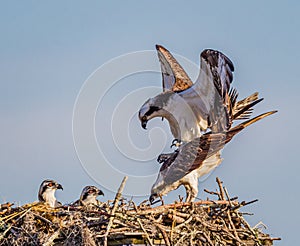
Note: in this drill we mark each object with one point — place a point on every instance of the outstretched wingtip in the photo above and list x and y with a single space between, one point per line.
159 47
212 57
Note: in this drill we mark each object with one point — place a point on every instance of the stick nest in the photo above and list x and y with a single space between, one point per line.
119 222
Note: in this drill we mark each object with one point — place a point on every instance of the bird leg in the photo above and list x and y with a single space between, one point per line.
162 201
191 192
188 192
194 193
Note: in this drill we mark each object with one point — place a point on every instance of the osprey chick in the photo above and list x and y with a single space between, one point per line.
47 193
89 195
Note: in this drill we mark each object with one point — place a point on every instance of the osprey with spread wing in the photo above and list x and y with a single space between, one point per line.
192 109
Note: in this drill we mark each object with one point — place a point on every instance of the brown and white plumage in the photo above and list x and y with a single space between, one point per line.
89 195
190 156
46 193
192 108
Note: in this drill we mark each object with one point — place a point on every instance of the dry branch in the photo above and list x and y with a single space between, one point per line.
115 206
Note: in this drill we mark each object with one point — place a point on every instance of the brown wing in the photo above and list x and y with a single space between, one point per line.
208 145
173 75
191 155
221 69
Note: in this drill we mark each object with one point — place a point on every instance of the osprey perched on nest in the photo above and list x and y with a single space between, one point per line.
89 195
193 108
47 193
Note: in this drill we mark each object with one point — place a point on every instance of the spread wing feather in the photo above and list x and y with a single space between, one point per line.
221 69
210 96
211 89
173 75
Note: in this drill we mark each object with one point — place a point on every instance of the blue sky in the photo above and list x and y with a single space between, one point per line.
48 49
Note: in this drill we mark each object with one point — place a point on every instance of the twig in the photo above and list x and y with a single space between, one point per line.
177 205
52 238
211 192
233 228
164 234
6 205
8 229
227 195
173 217
208 239
247 225
147 236
184 223
87 237
42 218
222 196
243 203
117 198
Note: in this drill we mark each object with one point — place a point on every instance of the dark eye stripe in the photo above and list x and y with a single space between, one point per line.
85 195
45 187
152 110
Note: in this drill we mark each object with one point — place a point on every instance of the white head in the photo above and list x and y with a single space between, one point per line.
47 192
89 195
155 107
165 105
161 188
164 184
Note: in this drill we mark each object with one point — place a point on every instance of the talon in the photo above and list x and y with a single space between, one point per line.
162 158
176 142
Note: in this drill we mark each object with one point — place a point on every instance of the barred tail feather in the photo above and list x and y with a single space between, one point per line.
246 110
242 109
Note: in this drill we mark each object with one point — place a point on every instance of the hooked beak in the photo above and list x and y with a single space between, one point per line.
152 198
100 193
144 123
59 187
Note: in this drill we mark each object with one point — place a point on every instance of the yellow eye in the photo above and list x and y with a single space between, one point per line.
144 118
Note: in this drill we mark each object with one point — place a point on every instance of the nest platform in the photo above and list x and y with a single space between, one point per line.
212 222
